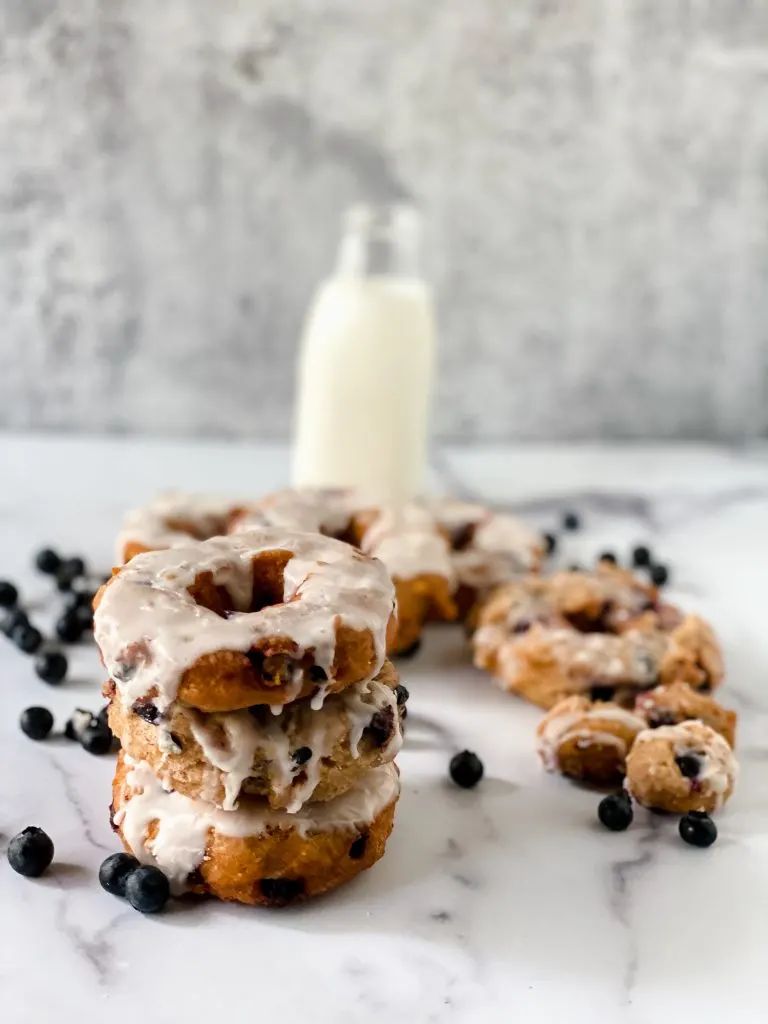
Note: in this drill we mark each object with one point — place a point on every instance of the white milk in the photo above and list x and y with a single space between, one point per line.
366 364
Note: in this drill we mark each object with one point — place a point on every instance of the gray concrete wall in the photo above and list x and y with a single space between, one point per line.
594 174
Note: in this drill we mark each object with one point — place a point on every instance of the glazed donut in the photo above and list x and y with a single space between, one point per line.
265 617
603 633
587 740
172 519
681 768
253 854
291 758
677 702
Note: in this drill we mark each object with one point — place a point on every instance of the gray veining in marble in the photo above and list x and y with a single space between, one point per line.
593 174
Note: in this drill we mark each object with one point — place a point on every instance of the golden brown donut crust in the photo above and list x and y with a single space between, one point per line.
188 771
235 868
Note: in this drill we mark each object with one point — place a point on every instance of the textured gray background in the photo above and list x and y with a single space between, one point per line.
594 173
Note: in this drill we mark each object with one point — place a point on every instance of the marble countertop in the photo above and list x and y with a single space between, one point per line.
504 903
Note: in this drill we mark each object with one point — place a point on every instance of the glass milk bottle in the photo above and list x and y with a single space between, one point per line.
366 363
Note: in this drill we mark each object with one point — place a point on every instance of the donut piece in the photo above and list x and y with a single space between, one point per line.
173 519
254 854
302 754
677 702
681 768
587 740
603 634
265 617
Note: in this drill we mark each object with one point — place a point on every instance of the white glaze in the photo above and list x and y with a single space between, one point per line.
183 825
276 738
149 525
148 604
720 769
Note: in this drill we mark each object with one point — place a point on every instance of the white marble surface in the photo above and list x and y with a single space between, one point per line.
506 903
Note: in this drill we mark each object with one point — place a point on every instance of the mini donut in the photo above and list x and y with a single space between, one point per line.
299 755
603 634
254 854
173 519
587 740
681 768
677 702
264 617
407 540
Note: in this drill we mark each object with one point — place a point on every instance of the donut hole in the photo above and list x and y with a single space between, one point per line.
267 586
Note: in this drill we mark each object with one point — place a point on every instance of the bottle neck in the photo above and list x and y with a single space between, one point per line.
380 241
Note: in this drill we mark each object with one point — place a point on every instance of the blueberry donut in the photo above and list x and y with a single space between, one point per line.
602 634
681 768
262 617
587 740
175 518
677 702
302 754
254 854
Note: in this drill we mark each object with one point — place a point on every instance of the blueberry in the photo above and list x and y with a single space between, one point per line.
47 561
659 575
281 891
466 769
550 542
380 727
73 567
147 889
102 719
571 521
402 694
698 829
9 595
641 555
30 852
615 812
51 667
15 617
84 616
96 740
521 626
114 872
602 693
64 581
36 723
689 765
80 597
608 556
147 710
357 849
27 638
78 723
68 628
302 755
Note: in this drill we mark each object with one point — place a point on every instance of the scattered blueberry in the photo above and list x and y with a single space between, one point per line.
281 891
302 755
69 629
114 872
689 765
73 567
78 723
550 542
608 556
51 667
698 829
47 561
402 694
615 811
27 638
641 555
466 769
147 889
659 575
15 617
84 616
571 521
64 581
9 595
36 723
79 597
102 719
95 739
30 852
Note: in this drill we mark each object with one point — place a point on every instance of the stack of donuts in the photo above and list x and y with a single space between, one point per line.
257 712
